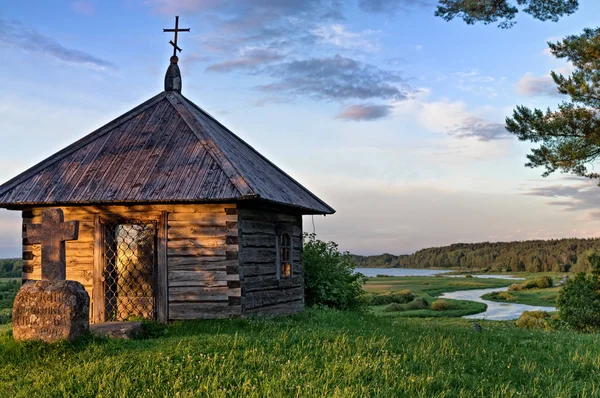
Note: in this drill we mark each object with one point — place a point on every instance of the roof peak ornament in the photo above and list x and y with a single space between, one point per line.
173 75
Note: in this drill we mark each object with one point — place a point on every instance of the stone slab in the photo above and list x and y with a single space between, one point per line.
117 330
50 311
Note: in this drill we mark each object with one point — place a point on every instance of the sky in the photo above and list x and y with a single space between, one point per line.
391 115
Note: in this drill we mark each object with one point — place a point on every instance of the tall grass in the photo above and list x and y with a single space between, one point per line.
314 354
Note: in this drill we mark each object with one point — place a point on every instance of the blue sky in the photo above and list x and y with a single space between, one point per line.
391 115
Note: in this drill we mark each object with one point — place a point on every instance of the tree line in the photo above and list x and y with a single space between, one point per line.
11 268
561 255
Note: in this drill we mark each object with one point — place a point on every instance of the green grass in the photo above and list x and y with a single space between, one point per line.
431 285
459 308
314 354
540 297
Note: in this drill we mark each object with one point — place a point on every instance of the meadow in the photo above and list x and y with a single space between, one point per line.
316 353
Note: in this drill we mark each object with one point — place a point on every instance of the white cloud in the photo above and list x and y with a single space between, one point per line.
337 35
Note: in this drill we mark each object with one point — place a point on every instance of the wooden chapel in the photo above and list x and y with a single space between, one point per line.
178 217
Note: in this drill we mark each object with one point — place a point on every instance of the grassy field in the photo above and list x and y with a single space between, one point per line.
431 285
314 354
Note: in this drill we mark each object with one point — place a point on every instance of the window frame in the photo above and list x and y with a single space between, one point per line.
280 260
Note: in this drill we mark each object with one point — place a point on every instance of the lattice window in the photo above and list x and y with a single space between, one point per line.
129 262
285 255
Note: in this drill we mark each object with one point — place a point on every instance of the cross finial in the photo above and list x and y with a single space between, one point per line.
176 30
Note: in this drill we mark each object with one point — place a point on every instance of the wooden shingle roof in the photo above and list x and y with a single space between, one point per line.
166 150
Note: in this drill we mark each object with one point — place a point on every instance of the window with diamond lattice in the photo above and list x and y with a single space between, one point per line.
129 259
285 253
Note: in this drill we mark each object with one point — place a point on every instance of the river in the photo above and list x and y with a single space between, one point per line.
495 311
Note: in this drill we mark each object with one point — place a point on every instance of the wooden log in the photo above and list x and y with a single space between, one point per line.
271 282
201 232
180 283
220 218
258 269
256 227
268 216
203 311
197 242
256 255
291 307
201 251
258 241
202 260
194 293
207 266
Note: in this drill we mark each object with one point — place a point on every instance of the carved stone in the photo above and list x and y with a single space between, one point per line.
52 234
50 311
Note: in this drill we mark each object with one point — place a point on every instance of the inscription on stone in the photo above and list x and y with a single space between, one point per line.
50 311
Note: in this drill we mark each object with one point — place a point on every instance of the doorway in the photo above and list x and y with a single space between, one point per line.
129 268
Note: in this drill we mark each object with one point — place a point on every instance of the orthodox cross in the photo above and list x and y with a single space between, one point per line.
176 30
52 234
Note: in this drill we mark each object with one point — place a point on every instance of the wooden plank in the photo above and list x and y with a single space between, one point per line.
201 251
197 260
259 240
179 283
193 276
162 284
203 310
220 218
201 232
288 308
258 255
256 227
183 294
98 285
268 216
197 242
258 269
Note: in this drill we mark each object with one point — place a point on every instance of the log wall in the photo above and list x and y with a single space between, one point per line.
202 278
262 291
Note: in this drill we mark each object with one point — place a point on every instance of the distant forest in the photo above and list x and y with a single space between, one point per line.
11 267
560 255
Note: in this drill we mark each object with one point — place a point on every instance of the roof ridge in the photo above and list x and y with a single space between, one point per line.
232 173
257 152
108 127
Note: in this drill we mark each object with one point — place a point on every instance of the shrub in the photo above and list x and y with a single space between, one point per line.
401 297
537 283
441 305
579 300
417 304
503 296
537 320
394 307
329 278
468 276
515 287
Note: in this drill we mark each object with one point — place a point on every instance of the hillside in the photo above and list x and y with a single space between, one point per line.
559 255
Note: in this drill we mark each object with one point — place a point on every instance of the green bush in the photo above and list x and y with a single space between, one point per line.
543 282
418 304
401 297
441 305
468 276
394 307
503 296
579 300
537 320
329 278
515 287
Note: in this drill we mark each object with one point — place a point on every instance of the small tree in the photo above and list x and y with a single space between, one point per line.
579 301
329 278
